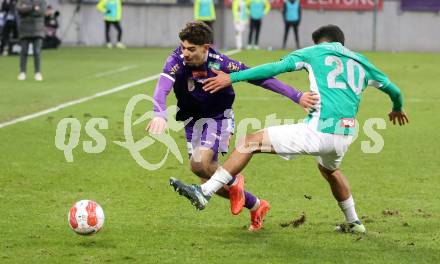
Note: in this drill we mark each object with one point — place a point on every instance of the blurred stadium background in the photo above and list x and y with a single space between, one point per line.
407 25
397 190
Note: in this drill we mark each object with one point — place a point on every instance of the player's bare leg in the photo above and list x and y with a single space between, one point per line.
257 142
338 183
253 143
341 191
203 165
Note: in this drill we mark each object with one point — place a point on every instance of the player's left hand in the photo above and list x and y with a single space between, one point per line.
308 100
157 125
401 117
215 84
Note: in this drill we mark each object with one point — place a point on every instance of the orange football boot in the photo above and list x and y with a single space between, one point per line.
257 216
236 195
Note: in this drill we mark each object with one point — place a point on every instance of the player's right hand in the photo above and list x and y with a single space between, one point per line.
157 125
215 84
308 100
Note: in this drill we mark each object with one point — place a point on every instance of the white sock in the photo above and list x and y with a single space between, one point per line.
256 205
348 209
220 178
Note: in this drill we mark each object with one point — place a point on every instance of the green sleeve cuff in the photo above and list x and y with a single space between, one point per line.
394 93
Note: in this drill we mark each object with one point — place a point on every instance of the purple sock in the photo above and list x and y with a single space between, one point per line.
231 181
249 200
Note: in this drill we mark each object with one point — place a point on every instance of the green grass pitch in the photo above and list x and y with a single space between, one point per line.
148 223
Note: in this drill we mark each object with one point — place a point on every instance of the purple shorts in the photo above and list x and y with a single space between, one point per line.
209 133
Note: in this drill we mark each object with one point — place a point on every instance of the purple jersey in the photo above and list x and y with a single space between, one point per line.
192 100
187 82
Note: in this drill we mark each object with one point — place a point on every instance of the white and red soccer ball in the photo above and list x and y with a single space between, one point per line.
86 217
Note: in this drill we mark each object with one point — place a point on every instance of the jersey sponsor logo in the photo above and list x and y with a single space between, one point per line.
215 56
214 65
233 67
348 122
199 74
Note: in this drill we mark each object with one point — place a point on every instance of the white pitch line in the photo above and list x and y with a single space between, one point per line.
78 101
88 98
122 69
232 52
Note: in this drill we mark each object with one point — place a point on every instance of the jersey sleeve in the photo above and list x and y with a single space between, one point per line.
229 65
165 84
271 84
296 59
292 62
172 67
378 79
375 77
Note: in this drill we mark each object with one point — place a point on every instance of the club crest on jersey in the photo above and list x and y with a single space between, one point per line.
348 122
214 65
233 67
191 85
199 74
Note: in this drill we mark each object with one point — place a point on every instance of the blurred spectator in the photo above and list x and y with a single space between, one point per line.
10 25
51 41
112 10
257 9
204 10
31 31
292 17
241 17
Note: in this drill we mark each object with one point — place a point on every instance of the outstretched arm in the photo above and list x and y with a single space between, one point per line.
261 76
306 100
279 87
379 80
264 71
396 97
159 123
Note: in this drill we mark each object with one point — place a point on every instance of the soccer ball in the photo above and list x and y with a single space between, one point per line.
86 217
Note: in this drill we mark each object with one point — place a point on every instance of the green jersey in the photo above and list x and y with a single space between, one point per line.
338 75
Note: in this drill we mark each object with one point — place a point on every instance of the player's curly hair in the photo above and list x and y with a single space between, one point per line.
196 32
331 33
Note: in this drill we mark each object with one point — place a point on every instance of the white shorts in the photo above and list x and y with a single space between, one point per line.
301 139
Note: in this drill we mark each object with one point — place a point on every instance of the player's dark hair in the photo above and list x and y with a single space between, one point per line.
196 32
331 33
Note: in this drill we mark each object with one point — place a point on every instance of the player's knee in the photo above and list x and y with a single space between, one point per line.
251 143
201 169
326 173
330 175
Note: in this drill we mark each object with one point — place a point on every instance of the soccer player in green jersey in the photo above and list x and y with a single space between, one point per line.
339 76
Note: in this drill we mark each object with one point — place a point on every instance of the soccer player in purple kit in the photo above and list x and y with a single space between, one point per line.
208 118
